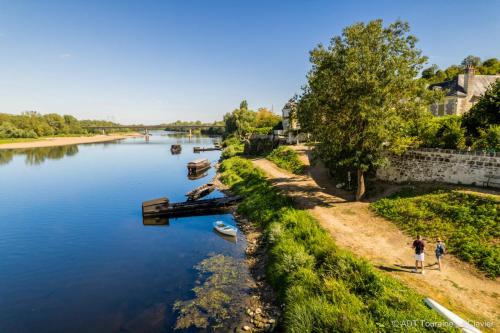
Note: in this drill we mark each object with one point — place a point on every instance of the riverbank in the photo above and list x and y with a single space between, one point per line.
320 286
262 309
356 228
63 141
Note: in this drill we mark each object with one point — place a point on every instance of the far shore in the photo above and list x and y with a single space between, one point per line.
63 141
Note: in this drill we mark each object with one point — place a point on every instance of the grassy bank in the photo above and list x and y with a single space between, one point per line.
232 147
469 224
16 140
288 159
323 288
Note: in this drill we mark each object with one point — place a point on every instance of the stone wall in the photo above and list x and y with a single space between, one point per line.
259 144
444 165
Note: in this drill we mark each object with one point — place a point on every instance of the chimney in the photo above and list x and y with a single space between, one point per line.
469 78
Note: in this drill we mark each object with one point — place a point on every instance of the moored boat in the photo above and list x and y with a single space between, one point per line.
201 191
225 229
200 149
175 149
198 166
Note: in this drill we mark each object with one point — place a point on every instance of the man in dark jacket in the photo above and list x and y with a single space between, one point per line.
419 246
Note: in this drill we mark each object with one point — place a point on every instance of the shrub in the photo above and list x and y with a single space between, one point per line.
288 159
488 139
323 288
232 147
443 132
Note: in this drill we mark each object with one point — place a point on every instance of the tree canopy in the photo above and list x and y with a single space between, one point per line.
243 121
433 74
32 124
362 96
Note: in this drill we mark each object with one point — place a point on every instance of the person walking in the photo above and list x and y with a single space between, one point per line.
419 246
440 250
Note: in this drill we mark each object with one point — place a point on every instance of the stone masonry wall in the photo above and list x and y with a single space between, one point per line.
444 165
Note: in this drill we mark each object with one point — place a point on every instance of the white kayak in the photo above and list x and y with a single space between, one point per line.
225 229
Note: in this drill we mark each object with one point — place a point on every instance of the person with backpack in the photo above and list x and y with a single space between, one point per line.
419 246
440 250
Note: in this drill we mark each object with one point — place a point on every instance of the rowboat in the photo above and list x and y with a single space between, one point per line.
225 229
198 166
201 191
175 149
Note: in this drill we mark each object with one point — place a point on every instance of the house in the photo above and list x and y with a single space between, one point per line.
291 126
462 92
289 118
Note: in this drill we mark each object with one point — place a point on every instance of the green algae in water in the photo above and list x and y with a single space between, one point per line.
218 298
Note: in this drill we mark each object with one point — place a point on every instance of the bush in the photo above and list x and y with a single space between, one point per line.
469 223
489 139
485 112
288 159
443 132
323 288
232 147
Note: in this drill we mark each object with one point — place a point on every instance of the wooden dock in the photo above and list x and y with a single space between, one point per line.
163 208
199 149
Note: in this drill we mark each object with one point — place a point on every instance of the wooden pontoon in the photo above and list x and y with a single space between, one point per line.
199 149
198 166
163 208
201 191
175 149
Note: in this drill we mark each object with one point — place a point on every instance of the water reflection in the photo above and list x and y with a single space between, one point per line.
230 239
197 176
36 156
155 221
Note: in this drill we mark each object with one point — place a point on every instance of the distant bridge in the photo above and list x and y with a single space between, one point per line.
150 127
146 128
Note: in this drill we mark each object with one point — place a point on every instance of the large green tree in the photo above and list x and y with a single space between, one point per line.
240 121
362 96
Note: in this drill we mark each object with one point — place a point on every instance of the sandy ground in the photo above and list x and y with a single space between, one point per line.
63 141
356 228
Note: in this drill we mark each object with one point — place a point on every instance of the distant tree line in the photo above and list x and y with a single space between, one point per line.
434 74
32 124
243 121
207 130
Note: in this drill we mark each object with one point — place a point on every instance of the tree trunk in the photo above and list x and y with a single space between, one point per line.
360 192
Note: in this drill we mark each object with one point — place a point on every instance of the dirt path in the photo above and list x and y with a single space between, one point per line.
356 228
63 141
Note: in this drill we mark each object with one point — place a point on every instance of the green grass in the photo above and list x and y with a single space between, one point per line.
469 224
288 159
16 140
323 288
232 147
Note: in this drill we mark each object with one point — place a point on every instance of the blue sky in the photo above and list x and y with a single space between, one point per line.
159 61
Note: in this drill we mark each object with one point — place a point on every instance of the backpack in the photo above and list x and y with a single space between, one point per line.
440 249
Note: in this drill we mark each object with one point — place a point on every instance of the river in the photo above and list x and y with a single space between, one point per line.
75 255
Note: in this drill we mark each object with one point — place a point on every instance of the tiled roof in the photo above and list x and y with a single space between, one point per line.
455 87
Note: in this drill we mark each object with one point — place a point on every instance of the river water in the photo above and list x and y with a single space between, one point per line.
74 253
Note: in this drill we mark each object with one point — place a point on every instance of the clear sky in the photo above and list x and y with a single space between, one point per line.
159 61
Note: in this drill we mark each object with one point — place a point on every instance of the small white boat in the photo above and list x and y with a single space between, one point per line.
225 229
